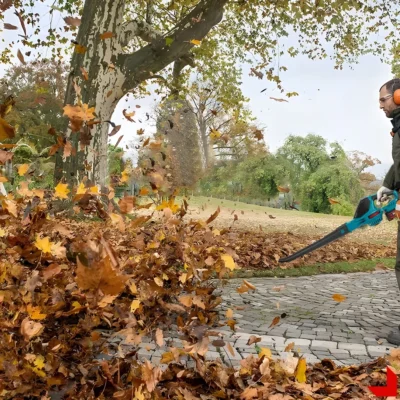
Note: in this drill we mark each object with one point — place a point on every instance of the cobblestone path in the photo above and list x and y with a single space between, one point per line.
348 332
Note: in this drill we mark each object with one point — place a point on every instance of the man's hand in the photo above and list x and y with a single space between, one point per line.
381 193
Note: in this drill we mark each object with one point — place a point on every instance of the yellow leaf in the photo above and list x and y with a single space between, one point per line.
35 312
229 313
195 42
76 304
61 191
186 300
39 361
182 278
265 351
6 130
249 285
228 261
215 134
133 288
301 370
158 281
167 357
94 190
22 169
338 297
80 49
81 189
3 233
135 305
125 174
139 394
43 244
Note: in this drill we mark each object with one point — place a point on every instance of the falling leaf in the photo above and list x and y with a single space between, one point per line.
72 21
333 201
144 191
115 130
35 312
283 189
159 337
169 41
106 35
228 261
195 42
43 244
30 329
338 297
258 134
258 74
213 216
6 130
20 57
61 190
22 169
279 100
275 321
129 116
289 347
80 49
253 339
301 370
10 27
265 351
140 131
229 313
84 73
249 285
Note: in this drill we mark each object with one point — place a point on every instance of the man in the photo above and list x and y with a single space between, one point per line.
390 104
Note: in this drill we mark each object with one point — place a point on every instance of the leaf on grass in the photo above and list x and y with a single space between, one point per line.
22 169
301 370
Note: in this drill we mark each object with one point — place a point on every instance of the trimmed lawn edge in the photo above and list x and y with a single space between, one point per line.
342 267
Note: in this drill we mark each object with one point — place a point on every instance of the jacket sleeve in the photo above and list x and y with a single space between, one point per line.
396 160
389 178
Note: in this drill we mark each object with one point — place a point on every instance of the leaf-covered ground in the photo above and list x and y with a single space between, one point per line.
67 288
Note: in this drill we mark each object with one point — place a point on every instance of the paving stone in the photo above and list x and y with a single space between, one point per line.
324 344
351 346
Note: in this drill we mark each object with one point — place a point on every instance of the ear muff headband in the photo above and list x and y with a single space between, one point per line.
396 97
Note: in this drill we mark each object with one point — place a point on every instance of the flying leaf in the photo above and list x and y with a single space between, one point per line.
265 351
195 42
129 116
279 100
115 130
30 329
229 313
22 169
159 337
301 370
35 312
6 130
333 201
258 134
84 73
283 189
61 190
258 74
253 339
275 321
80 49
228 261
72 21
338 297
213 216
140 131
169 41
106 35
20 57
10 27
249 285
43 244
289 347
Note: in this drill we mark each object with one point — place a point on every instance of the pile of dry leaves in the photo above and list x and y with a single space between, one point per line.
67 288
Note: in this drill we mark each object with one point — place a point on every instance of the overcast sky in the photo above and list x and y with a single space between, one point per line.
340 105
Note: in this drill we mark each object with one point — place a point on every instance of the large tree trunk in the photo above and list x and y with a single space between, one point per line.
112 74
204 139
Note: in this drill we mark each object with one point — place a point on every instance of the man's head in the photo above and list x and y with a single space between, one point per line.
386 101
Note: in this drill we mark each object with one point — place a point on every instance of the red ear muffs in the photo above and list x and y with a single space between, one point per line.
396 97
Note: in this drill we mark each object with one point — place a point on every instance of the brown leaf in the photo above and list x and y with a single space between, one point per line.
106 35
30 329
6 130
218 343
253 339
115 130
333 201
338 297
275 321
249 285
5 156
159 337
100 275
20 57
279 100
289 347
129 116
72 21
126 204
213 216
10 27
84 73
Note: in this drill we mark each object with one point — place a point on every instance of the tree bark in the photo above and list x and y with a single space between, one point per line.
113 74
